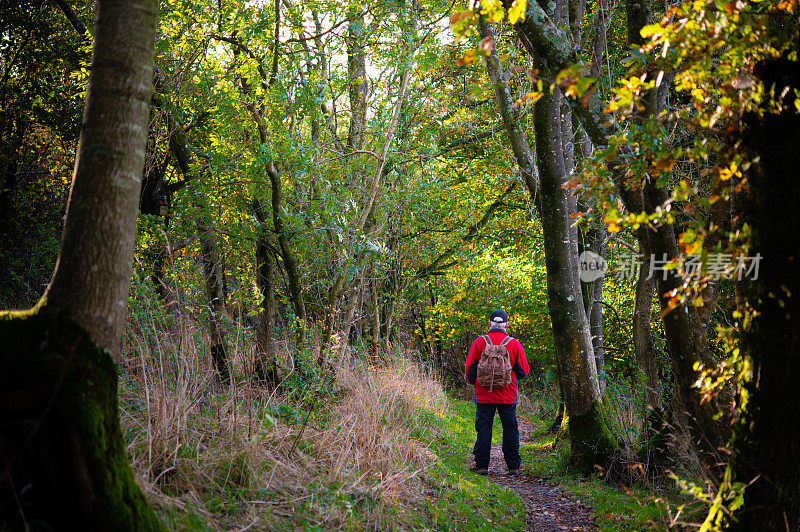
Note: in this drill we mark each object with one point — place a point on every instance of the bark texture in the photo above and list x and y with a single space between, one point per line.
92 274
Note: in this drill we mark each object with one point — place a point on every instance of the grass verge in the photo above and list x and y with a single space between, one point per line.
616 507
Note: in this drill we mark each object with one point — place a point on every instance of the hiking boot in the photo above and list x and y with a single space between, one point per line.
479 470
514 472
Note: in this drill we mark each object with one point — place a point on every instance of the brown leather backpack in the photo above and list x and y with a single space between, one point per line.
494 367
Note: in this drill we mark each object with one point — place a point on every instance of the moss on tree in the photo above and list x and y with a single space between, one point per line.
60 431
592 442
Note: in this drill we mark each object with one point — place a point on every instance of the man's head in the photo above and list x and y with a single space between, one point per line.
498 319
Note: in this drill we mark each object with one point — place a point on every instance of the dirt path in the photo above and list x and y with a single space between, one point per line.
549 507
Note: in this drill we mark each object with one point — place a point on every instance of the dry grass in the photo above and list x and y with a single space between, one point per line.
331 453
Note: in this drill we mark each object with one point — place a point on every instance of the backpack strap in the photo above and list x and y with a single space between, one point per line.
487 339
506 341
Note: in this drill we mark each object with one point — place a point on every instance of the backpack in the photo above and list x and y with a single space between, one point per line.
494 367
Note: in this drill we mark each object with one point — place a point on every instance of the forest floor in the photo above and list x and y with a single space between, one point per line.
548 507
547 497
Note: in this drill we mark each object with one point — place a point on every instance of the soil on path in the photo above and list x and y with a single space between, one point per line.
549 508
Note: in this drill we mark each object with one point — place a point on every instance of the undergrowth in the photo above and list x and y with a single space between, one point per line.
366 443
363 443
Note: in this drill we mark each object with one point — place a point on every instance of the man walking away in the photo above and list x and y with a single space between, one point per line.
494 364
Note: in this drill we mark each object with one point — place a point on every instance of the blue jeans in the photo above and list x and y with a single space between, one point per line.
484 416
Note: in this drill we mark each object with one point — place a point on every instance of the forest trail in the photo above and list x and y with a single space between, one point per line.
548 507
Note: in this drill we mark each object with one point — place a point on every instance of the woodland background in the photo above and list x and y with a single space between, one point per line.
335 196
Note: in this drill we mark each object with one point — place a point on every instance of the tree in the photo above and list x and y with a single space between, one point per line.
542 37
590 439
60 440
761 487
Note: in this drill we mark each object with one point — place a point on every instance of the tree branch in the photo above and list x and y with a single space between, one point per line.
472 233
516 135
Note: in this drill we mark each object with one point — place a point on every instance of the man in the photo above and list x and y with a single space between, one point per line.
503 399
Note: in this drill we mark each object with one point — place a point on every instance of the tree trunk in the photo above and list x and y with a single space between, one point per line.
683 341
766 442
331 308
643 345
592 239
595 315
375 332
591 441
266 364
60 436
212 280
289 261
357 83
348 316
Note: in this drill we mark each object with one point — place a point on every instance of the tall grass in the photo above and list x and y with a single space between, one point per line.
326 448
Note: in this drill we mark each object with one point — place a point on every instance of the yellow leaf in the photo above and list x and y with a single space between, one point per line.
650 30
517 11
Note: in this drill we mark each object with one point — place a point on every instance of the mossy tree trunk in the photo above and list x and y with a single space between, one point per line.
765 449
60 437
61 446
591 442
590 439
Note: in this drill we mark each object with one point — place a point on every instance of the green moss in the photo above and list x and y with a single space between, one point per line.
72 456
591 440
563 427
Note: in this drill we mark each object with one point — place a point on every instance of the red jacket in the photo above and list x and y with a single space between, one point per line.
508 394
